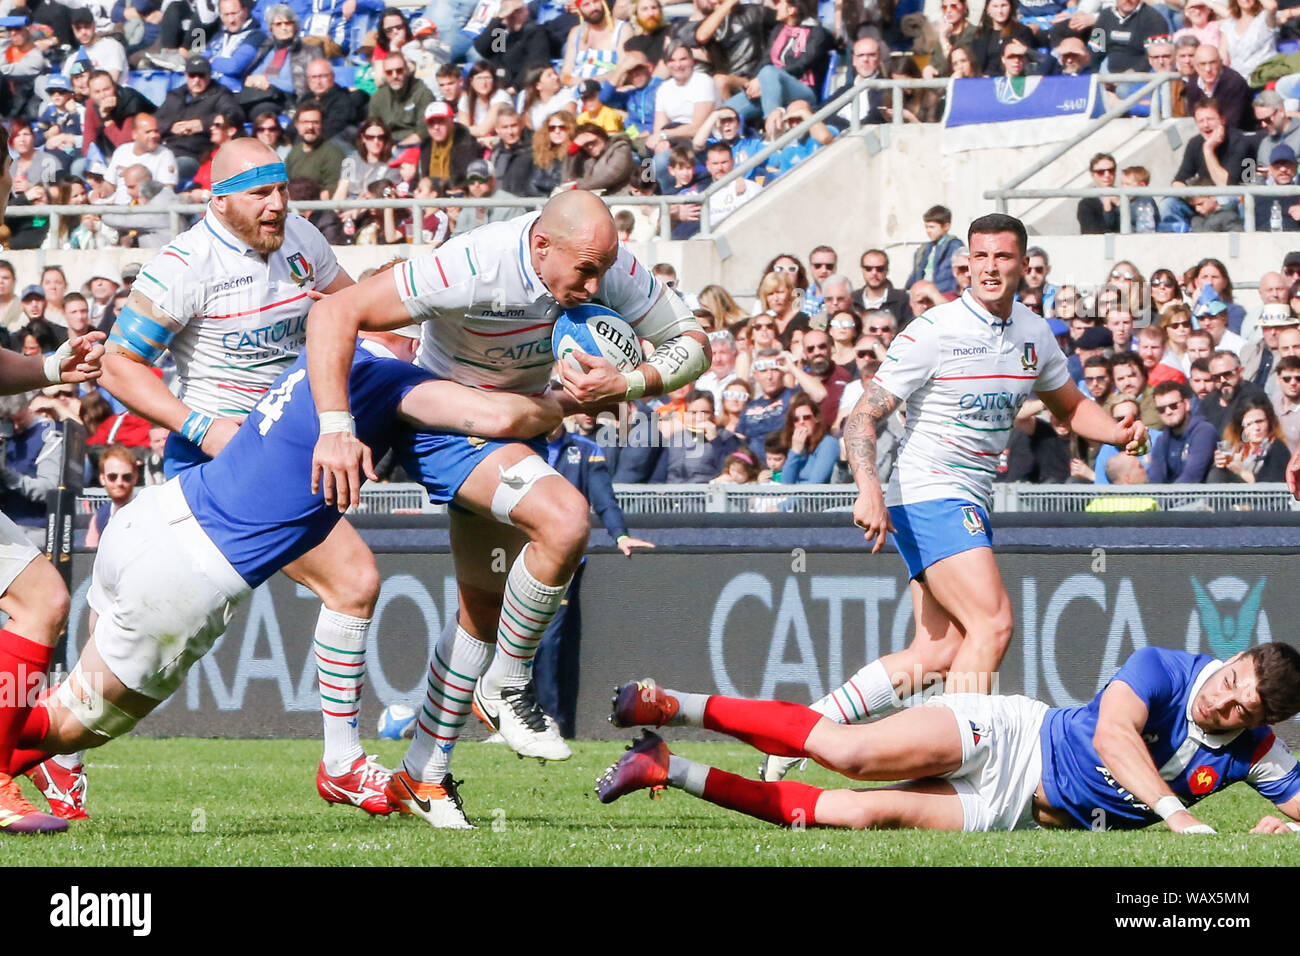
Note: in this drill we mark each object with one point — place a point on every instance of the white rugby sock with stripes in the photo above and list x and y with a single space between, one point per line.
340 647
70 761
458 661
867 694
527 608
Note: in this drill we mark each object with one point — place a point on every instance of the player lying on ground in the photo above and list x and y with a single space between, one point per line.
174 563
229 299
32 593
1169 729
488 301
963 369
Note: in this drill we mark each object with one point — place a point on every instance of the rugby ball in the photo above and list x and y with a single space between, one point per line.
397 721
596 330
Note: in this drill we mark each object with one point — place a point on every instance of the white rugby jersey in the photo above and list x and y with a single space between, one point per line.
488 318
243 318
964 373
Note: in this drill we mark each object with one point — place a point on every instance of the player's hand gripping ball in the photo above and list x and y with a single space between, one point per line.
596 330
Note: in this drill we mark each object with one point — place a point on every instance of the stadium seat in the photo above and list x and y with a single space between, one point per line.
832 68
358 27
153 84
344 76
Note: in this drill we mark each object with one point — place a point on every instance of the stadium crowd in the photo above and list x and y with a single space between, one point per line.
126 102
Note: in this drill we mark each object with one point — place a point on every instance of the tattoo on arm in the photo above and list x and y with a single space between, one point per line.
467 426
860 428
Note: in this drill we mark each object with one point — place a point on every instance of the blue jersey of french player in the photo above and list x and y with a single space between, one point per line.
1192 762
254 500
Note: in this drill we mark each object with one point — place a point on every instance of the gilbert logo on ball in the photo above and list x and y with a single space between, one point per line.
596 330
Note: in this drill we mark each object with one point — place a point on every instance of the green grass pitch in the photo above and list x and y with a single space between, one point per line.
187 802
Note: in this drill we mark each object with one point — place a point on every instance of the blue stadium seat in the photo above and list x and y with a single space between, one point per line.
153 84
358 27
832 67
344 76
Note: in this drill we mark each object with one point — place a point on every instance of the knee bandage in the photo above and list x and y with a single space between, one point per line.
86 703
516 481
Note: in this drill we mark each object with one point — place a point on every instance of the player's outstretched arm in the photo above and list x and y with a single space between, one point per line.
1119 744
140 335
455 407
860 430
340 461
1085 417
76 360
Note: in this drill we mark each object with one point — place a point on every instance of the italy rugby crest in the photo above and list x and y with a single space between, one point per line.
1029 358
971 520
300 269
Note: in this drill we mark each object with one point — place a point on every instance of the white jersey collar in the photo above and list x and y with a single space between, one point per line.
375 349
984 315
224 236
1194 731
533 285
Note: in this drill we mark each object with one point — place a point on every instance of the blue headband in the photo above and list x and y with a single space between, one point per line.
251 179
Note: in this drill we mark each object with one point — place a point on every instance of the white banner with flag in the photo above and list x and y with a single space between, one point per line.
989 112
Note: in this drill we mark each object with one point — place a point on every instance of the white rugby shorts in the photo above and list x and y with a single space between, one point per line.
16 552
163 591
1002 762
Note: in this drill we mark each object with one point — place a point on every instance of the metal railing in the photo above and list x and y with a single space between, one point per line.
1127 194
406 498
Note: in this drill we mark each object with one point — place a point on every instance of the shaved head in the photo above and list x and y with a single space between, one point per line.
239 155
574 242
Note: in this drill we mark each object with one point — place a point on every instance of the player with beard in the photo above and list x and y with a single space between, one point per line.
963 368
229 298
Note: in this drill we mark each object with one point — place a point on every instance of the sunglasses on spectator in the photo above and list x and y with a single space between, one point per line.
1103 170
1127 276
762 325
738 396
1167 283
1096 378
823 265
396 71
767 365
364 136
1037 270
1290 379
115 476
1181 324
560 127
873 268
877 329
1223 376
1292 270
1173 407
779 269
961 270
841 323
806 418
269 129
863 353
815 348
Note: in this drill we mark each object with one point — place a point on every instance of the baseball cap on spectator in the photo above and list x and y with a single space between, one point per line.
1269 98
197 66
1282 153
81 15
1275 315
58 82
438 109
77 67
409 155
588 89
422 27
479 169
1095 338
103 269
33 292
1292 261
97 168
14 23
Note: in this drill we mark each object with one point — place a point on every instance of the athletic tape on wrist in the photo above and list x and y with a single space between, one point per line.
635 385
1166 807
332 423
53 373
195 427
1293 826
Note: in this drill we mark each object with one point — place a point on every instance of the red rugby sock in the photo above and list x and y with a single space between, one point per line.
772 726
22 664
787 802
